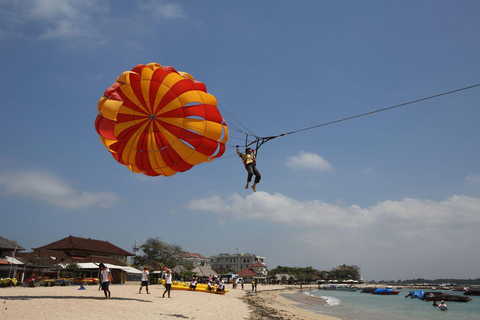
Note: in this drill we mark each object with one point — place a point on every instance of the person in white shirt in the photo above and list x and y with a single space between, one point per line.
442 306
221 285
145 278
168 283
106 277
193 284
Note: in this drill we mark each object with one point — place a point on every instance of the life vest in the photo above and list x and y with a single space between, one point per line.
248 159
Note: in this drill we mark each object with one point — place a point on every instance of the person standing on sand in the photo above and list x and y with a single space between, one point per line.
168 283
106 276
250 163
145 279
253 285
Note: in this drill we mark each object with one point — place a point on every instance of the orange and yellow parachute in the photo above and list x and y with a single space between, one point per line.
158 121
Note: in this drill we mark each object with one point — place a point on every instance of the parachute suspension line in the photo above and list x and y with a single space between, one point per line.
238 121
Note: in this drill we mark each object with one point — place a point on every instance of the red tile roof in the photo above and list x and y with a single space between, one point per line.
192 255
258 265
4 262
50 257
247 273
92 245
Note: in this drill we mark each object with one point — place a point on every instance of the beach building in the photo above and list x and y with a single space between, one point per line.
203 272
79 255
77 248
284 278
257 271
87 254
239 261
8 247
121 272
195 258
9 265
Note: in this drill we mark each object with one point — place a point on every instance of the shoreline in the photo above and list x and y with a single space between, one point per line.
284 304
43 303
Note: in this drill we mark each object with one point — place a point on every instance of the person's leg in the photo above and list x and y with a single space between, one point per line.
249 169
146 288
105 289
140 291
258 176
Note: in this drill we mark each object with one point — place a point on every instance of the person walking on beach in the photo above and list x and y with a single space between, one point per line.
249 160
106 277
253 285
442 306
145 279
168 283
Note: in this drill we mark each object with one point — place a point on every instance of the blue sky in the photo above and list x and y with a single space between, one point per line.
396 193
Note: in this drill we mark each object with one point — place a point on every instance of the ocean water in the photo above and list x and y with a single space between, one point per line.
365 306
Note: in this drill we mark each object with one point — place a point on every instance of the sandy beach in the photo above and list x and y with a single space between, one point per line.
126 303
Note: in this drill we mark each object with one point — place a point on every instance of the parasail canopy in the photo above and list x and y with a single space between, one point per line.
159 121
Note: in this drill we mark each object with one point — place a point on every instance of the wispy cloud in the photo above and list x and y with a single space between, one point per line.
308 161
164 9
82 24
473 179
51 19
46 187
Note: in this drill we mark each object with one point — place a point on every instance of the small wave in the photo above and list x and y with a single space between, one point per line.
331 301
310 293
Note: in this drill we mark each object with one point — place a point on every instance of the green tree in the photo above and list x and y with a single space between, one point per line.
157 250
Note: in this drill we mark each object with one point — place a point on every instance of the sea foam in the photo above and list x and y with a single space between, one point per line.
331 301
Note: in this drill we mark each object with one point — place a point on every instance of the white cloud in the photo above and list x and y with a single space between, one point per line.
399 233
456 211
45 187
162 9
52 19
473 179
82 23
308 160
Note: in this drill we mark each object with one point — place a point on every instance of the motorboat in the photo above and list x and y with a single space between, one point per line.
386 292
439 296
472 292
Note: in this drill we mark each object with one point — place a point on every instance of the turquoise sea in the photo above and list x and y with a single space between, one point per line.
365 306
